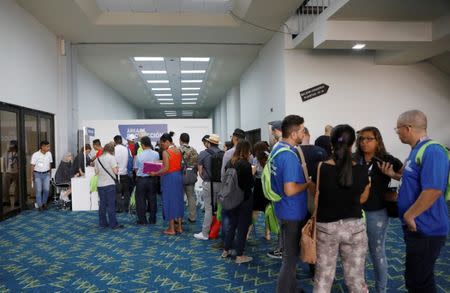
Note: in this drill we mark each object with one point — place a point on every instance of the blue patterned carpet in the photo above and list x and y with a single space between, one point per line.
60 251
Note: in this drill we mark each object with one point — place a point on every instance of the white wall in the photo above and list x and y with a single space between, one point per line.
96 100
262 88
362 93
233 104
28 60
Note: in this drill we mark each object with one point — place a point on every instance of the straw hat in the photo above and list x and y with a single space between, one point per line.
213 138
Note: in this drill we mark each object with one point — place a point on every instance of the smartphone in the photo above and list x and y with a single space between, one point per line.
378 160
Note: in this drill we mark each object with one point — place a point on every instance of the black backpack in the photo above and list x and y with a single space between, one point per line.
215 173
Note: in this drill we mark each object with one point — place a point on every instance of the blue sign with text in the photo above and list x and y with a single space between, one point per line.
153 131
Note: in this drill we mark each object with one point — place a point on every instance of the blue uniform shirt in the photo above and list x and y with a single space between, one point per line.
147 155
286 168
431 174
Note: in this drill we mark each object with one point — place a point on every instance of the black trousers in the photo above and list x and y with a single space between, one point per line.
145 197
421 255
290 235
240 219
123 194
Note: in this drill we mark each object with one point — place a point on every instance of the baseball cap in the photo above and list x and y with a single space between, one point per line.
276 124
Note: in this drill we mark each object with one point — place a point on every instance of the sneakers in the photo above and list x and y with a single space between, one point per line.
243 259
200 236
276 254
225 254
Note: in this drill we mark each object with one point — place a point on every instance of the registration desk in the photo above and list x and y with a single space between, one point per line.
82 198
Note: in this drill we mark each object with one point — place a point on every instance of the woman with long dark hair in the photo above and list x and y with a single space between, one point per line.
261 153
240 216
370 152
171 184
343 187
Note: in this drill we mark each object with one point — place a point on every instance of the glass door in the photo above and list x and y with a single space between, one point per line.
31 146
10 161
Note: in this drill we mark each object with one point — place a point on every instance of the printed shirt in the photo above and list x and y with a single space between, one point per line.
41 161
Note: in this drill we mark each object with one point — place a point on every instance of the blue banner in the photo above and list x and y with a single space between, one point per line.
153 131
90 131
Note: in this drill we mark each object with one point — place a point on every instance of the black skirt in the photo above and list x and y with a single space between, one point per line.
259 201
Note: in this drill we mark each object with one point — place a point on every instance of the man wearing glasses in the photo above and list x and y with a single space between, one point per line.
421 202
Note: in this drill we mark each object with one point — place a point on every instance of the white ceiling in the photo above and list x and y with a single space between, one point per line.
180 6
107 34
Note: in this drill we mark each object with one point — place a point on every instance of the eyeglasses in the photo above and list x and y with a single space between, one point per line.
396 129
364 138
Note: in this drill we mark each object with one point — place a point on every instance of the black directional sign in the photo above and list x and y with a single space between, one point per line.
314 92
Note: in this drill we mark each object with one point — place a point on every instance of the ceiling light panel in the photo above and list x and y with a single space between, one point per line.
191 81
147 59
189 103
194 59
190 88
358 46
161 89
193 71
163 95
166 103
158 81
154 72
165 99
189 94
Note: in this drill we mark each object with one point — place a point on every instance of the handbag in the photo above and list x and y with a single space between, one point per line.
116 181
308 240
391 203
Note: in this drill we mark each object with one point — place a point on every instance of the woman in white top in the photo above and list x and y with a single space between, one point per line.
106 169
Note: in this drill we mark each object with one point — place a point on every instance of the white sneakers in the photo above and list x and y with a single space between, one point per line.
200 236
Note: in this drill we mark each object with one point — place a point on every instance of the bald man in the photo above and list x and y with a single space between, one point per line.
421 201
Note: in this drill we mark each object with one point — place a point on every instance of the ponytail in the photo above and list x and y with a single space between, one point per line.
342 139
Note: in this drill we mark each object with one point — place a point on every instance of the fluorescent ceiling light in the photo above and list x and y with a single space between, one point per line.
161 88
192 71
171 115
154 72
148 58
189 103
190 94
358 46
163 95
165 99
166 103
191 81
190 88
198 59
189 99
170 112
158 81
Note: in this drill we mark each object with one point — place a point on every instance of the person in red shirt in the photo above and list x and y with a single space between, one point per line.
98 147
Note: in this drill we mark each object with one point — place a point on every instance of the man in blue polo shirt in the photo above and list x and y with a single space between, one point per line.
421 202
289 182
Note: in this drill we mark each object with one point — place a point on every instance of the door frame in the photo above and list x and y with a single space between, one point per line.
22 111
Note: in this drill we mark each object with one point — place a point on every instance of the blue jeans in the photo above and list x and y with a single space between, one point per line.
377 224
41 187
107 195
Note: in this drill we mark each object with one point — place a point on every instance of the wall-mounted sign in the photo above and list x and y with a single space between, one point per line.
90 131
314 92
153 131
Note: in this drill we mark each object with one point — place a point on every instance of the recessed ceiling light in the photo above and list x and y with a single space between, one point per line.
170 112
191 81
161 88
165 99
158 81
198 59
163 95
171 115
192 71
358 46
190 94
154 72
190 88
189 103
148 58
166 103
189 99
